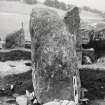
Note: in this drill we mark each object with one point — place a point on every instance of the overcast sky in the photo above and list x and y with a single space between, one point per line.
95 4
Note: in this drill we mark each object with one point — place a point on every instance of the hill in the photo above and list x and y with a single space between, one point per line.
12 14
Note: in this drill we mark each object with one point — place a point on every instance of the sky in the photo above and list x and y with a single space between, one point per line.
94 4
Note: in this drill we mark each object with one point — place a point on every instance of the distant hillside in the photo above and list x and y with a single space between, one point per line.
93 11
12 14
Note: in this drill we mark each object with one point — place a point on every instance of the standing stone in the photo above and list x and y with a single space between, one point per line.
72 20
55 71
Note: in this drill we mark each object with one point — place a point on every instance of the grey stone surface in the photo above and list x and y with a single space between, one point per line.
53 56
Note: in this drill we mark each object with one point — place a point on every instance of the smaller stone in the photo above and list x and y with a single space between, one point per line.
21 100
72 103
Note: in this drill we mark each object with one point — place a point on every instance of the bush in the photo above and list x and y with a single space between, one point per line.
56 4
16 39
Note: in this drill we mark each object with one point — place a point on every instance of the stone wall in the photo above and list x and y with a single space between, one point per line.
15 54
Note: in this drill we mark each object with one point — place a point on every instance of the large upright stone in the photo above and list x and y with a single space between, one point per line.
55 73
72 20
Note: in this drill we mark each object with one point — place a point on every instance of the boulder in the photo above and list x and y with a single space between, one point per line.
21 100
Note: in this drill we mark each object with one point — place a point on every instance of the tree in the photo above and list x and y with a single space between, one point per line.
62 6
56 4
49 3
69 7
30 1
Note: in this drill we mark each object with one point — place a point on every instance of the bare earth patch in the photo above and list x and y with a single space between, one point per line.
13 67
